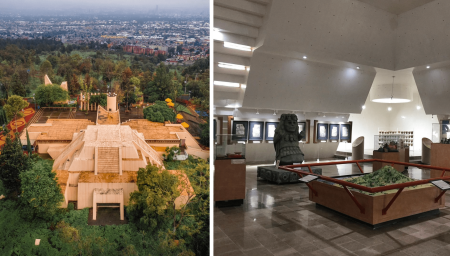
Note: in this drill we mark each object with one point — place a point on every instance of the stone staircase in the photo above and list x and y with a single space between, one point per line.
72 114
108 160
34 119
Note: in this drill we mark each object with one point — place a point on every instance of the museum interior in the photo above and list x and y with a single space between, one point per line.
306 95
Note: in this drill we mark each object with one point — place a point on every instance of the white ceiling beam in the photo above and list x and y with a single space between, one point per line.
243 6
219 57
264 2
219 48
229 71
229 78
238 17
236 28
232 38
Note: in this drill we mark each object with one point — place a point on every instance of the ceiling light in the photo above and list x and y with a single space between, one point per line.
243 86
364 107
357 67
389 108
403 117
428 66
238 46
388 93
418 107
304 57
257 112
274 112
231 66
221 83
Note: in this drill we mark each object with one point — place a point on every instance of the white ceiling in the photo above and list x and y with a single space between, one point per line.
396 6
337 36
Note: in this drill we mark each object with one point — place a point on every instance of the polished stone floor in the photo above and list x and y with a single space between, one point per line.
280 220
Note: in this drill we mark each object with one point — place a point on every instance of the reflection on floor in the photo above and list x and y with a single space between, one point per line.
280 220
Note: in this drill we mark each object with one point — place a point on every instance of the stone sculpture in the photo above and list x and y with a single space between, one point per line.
286 140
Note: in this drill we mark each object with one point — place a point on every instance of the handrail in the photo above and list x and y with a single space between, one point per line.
364 188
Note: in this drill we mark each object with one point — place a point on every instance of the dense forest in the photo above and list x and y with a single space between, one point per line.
24 63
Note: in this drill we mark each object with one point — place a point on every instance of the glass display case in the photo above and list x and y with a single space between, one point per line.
226 148
440 132
380 140
387 136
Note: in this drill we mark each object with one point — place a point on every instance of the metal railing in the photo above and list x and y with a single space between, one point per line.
346 184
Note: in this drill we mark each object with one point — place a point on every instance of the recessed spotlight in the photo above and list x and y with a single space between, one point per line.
403 117
304 57
428 66
418 107
389 108
364 107
357 67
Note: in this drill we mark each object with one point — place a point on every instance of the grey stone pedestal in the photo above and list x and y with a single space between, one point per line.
271 173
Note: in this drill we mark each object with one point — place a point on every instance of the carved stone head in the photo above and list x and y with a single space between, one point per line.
288 122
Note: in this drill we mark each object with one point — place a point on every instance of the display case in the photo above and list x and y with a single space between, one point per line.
229 170
440 132
384 137
229 148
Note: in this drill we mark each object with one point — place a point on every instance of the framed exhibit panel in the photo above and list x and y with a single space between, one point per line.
346 132
256 130
334 132
320 131
270 130
304 126
240 130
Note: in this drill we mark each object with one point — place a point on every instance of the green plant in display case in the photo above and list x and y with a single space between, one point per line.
383 177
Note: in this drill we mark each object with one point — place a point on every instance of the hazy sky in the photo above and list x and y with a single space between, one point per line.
96 5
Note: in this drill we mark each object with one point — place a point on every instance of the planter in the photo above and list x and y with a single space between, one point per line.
409 202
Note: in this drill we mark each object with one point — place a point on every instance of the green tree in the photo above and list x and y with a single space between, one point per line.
100 99
46 68
46 95
28 144
14 106
41 194
154 205
16 86
3 119
159 112
151 93
12 163
37 60
162 81
204 135
171 153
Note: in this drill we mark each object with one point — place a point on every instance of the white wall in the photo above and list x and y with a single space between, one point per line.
403 116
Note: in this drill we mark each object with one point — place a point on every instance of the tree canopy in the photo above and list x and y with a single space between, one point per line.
159 112
41 194
14 106
12 163
46 95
